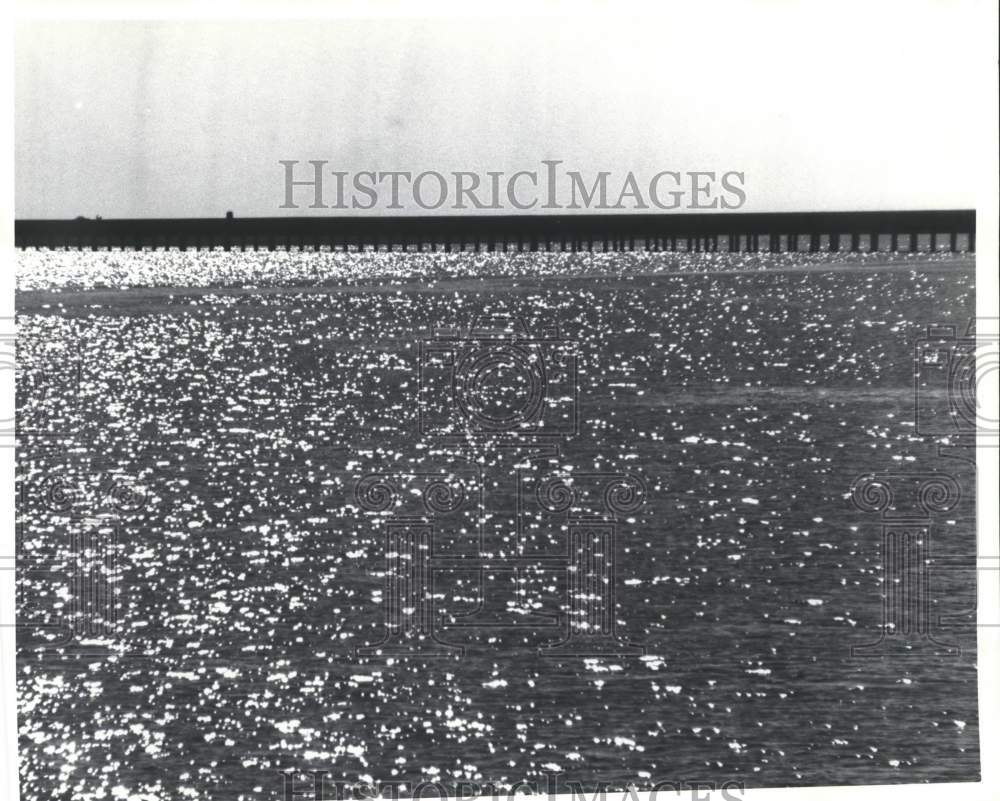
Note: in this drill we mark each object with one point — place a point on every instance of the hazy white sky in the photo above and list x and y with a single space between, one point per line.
819 110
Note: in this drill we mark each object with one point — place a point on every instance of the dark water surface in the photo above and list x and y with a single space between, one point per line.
248 574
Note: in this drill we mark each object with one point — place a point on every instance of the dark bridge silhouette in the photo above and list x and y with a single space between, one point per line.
811 231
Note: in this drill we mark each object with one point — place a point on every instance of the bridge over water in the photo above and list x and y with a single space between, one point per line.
856 231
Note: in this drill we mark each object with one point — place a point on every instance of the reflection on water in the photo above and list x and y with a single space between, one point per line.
248 577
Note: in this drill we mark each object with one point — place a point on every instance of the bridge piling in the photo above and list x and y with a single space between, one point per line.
565 233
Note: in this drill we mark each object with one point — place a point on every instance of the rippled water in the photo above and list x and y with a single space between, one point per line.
249 575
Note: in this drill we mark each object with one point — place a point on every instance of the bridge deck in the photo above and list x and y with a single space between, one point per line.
813 231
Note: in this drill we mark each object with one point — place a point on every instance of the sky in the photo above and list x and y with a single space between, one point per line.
818 110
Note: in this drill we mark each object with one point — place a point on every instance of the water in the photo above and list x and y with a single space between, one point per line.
249 575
